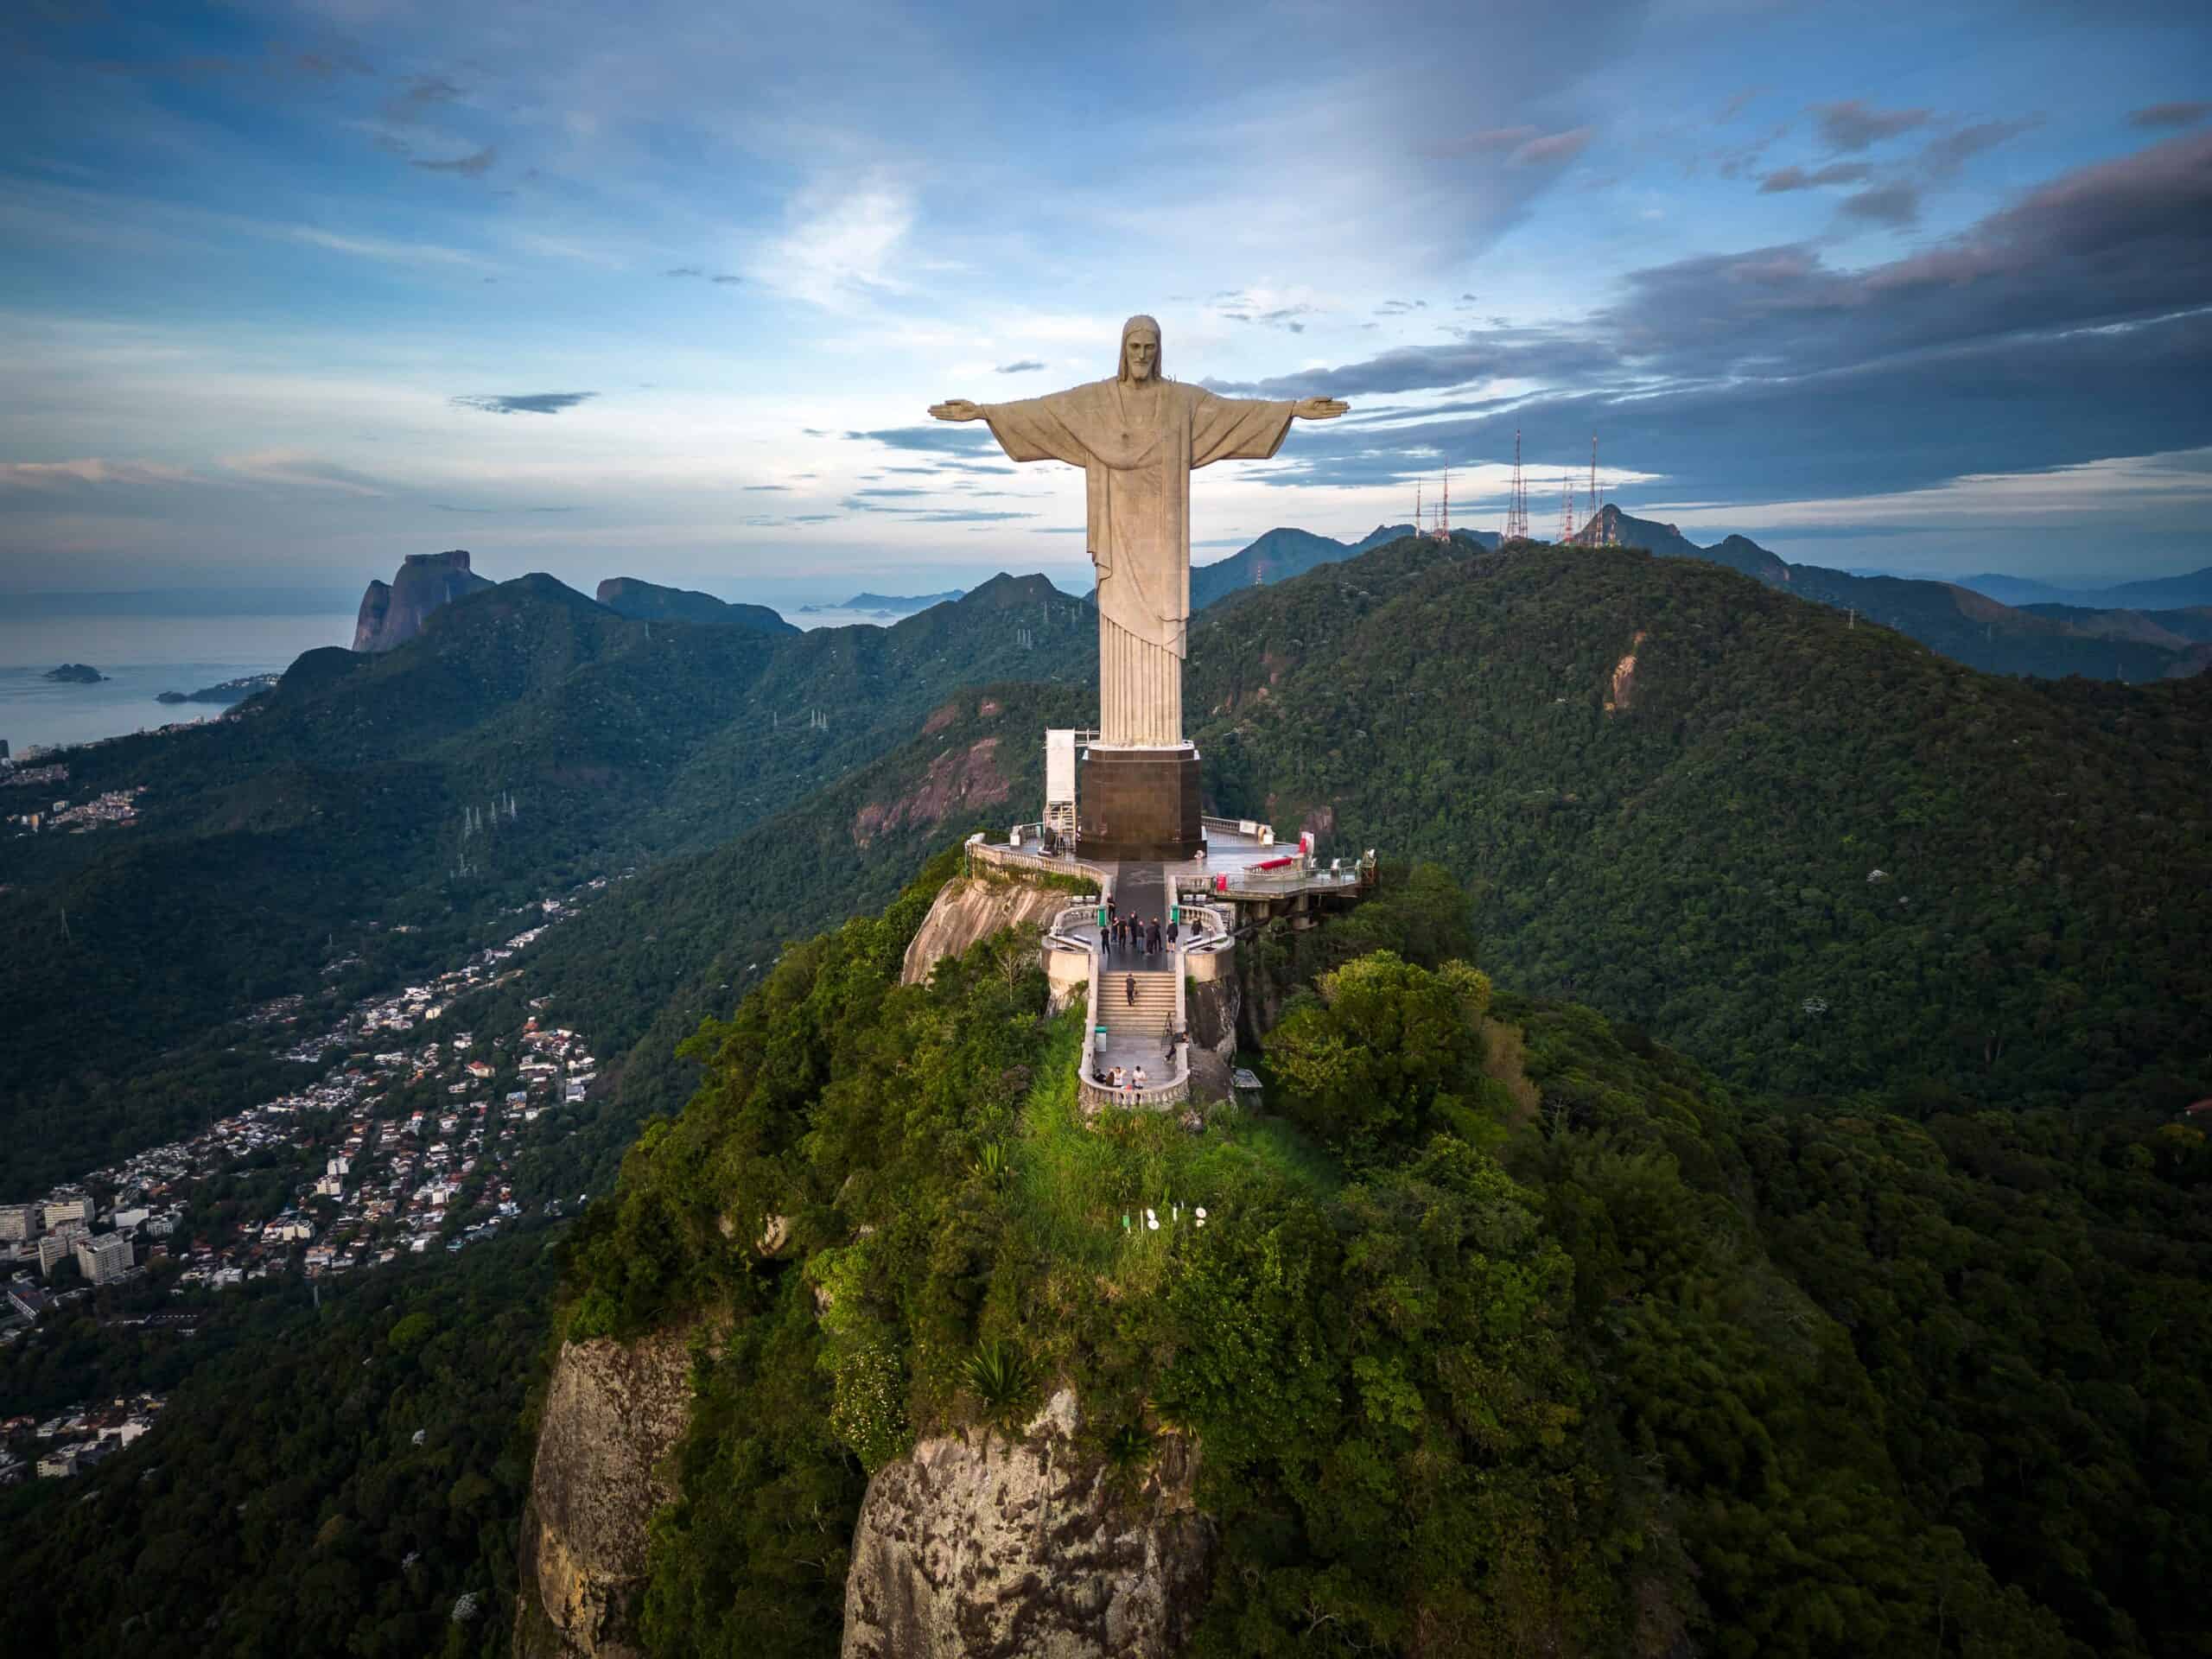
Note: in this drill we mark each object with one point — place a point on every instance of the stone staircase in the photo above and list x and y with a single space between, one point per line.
1136 1034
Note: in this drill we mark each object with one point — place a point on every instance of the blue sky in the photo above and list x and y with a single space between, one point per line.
287 292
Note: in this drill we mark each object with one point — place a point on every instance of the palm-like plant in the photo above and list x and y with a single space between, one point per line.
998 1376
991 1163
1129 1450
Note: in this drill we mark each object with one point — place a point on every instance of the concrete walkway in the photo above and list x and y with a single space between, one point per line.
1137 1028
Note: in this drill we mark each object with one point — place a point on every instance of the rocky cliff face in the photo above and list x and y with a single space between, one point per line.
989 1550
969 908
613 1412
393 613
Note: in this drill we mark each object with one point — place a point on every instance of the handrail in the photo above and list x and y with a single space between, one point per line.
1296 880
1061 863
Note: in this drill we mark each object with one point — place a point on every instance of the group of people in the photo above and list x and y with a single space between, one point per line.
1139 934
1123 1080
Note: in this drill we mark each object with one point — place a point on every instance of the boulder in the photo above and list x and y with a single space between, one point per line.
986 1548
613 1412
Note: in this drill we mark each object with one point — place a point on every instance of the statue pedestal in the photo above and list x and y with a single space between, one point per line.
1138 804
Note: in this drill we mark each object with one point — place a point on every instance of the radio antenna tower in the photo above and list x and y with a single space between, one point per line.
1444 513
1593 484
1566 507
1517 510
1418 526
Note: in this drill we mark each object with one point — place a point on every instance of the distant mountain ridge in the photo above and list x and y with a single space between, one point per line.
1962 623
1286 552
647 601
2157 593
887 604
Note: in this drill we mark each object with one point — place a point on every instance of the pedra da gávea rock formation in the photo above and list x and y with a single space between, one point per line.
983 1548
392 615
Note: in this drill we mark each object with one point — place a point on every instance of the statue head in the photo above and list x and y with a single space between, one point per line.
1140 350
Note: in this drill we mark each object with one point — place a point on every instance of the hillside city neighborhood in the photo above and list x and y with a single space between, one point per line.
407 1142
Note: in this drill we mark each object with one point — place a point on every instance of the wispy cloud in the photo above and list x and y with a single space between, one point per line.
841 245
472 167
294 467
522 402
1024 366
443 507
1855 124
51 475
1944 157
1797 178
1886 204
2169 115
373 247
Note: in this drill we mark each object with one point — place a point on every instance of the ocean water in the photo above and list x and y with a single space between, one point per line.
143 656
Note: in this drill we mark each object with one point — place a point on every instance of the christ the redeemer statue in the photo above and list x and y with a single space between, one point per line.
1136 438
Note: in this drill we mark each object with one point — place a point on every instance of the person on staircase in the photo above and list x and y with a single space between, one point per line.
1131 982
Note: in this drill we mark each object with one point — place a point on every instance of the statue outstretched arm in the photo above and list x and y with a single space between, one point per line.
1249 428
1029 429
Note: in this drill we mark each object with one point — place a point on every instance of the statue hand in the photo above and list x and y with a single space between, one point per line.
956 409
1318 408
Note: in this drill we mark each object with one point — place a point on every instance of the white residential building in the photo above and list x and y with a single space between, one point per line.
104 1258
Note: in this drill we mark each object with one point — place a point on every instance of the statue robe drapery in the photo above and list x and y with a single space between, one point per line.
1137 442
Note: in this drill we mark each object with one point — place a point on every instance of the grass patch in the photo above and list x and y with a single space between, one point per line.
1071 1183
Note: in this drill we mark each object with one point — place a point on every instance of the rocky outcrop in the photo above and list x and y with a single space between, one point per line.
392 615
961 780
1623 680
1213 1008
969 908
987 1549
611 1414
647 601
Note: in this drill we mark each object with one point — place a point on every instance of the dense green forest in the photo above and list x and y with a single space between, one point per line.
1698 851
1514 1326
324 1480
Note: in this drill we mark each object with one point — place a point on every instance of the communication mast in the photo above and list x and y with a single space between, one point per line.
1444 512
1566 507
1516 508
1594 478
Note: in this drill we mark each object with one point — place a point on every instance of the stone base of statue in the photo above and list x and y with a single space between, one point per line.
1138 804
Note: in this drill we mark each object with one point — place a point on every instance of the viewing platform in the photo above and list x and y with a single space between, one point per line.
1135 1001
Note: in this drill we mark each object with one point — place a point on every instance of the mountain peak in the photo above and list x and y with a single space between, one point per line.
393 613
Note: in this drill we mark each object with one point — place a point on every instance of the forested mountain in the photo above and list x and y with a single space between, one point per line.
335 809
2157 593
1510 1320
1816 855
648 601
1284 553
1961 622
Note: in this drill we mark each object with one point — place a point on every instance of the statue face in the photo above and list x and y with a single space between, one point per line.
1144 354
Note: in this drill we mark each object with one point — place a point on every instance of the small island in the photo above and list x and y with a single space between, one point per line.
238 691
76 674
